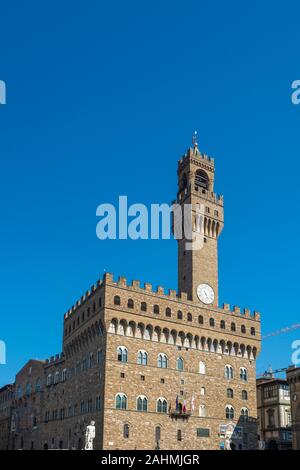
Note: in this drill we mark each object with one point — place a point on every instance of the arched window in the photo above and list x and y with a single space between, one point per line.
168 312
252 331
243 329
229 393
126 431
211 322
243 374
156 309
56 377
38 385
179 315
200 320
244 395
121 401
162 361
142 358
201 180
233 327
202 411
49 380
228 372
202 368
130 303
189 317
117 300
229 412
180 363
202 391
222 324
244 414
142 403
161 405
122 354
157 433
144 307
91 360
28 389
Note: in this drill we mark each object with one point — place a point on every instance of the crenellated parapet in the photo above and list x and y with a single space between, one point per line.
195 153
135 286
171 294
52 360
84 298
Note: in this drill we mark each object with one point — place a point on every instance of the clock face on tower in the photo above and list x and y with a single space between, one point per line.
205 294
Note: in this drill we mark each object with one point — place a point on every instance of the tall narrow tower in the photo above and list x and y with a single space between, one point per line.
198 268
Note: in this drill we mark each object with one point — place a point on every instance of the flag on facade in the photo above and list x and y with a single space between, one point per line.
177 403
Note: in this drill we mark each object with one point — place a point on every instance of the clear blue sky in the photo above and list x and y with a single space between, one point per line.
102 99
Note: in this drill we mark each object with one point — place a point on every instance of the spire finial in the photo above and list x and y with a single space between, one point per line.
194 140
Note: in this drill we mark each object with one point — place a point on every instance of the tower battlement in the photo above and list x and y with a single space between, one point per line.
195 153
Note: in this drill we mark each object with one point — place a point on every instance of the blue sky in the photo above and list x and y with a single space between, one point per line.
102 100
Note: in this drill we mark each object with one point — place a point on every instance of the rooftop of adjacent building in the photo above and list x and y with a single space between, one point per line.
269 380
6 387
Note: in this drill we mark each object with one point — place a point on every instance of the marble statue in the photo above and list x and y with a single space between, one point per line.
90 434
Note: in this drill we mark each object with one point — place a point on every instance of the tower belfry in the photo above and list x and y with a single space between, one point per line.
198 268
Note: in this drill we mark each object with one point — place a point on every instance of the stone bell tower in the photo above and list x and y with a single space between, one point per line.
198 267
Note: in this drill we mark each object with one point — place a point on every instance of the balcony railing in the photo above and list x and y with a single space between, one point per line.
175 415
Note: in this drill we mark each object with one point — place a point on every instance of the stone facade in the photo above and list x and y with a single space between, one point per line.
274 413
153 369
293 378
6 397
27 407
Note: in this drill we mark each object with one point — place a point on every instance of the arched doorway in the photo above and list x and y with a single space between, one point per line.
45 446
273 445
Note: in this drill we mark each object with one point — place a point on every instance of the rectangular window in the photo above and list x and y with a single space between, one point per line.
98 403
99 356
